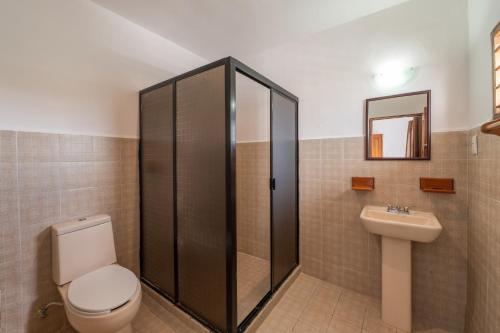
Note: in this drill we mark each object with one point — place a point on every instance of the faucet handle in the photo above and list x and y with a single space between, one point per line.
407 210
389 207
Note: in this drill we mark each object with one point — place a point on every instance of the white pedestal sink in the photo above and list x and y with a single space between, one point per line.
398 230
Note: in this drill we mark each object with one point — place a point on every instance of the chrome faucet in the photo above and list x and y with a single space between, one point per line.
398 209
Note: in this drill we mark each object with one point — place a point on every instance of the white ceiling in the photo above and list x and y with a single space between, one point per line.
218 28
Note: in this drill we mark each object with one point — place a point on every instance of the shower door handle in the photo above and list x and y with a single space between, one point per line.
272 183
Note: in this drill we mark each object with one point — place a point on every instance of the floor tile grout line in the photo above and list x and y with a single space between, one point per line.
365 310
155 315
365 315
304 308
338 301
332 317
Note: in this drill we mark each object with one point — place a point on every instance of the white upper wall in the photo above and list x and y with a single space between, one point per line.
332 71
75 67
483 16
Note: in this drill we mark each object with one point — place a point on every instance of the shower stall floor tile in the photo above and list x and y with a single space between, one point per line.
253 282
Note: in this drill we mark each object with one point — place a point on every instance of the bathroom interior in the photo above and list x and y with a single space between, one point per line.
250 166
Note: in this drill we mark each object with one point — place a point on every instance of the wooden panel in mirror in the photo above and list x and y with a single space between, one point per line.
398 127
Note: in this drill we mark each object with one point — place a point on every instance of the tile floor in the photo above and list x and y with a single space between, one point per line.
254 281
309 306
314 306
154 318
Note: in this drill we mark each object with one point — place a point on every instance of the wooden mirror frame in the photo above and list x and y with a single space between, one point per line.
368 128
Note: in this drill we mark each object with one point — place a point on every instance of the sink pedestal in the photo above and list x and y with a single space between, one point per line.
398 231
396 282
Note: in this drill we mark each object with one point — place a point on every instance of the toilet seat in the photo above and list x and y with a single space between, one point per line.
102 290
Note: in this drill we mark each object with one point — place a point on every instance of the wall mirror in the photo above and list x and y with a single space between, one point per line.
398 127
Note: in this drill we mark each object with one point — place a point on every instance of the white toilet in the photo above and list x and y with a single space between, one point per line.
99 295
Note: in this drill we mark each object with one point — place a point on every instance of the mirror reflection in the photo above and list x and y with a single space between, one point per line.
398 127
253 212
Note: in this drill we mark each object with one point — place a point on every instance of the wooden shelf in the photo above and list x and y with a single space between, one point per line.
438 185
435 190
497 49
363 183
362 188
492 127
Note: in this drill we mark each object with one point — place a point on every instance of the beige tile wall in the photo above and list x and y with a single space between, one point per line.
49 178
253 198
483 293
335 247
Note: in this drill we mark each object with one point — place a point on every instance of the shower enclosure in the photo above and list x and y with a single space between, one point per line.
219 191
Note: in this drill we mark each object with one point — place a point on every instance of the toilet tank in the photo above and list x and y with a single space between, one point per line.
81 246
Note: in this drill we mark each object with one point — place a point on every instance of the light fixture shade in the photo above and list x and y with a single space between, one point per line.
393 76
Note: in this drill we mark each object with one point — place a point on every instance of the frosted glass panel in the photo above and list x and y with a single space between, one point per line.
157 165
285 195
201 194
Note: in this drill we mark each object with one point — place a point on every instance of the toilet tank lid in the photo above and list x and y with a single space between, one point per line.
79 224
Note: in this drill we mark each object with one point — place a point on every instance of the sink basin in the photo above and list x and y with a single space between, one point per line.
416 226
398 231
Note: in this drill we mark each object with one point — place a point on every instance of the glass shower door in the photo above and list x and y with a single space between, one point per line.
253 214
285 220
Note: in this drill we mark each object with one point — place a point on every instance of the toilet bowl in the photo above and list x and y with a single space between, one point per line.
92 306
99 295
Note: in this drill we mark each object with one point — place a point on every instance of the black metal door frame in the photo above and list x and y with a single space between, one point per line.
231 67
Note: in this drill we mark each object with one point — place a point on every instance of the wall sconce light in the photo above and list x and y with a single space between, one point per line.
393 76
